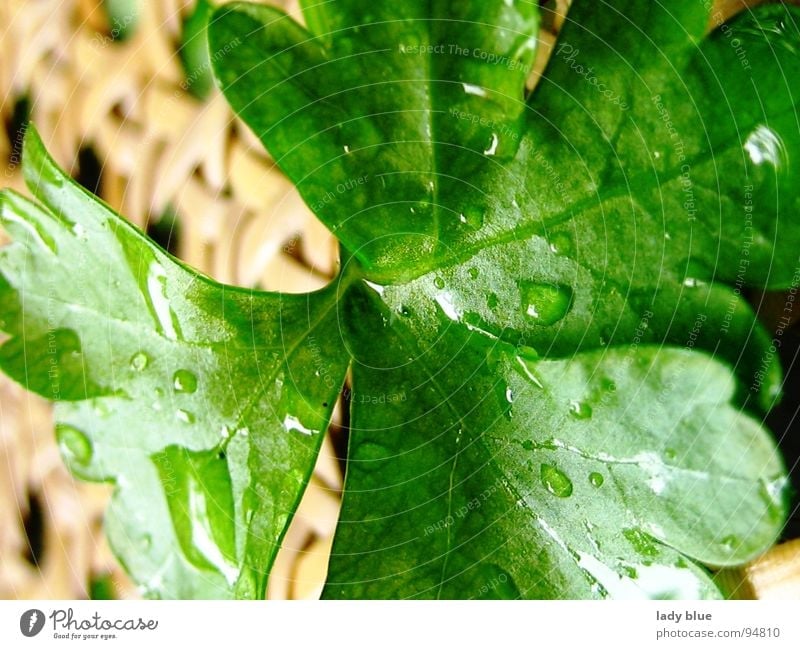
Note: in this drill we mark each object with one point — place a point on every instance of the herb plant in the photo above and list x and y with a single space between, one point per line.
557 385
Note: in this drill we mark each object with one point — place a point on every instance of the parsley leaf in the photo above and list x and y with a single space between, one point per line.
201 403
557 384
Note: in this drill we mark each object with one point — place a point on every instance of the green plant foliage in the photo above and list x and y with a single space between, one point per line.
557 385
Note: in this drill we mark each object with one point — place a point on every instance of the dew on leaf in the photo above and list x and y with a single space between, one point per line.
493 144
139 361
184 381
474 90
185 416
545 303
641 542
596 479
199 496
556 481
580 410
560 244
74 444
292 423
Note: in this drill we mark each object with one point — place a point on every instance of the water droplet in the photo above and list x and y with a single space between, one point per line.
473 273
159 303
404 311
438 282
184 381
547 303
670 453
556 481
528 444
493 144
580 410
528 368
292 423
79 231
773 494
492 301
74 444
509 395
764 145
596 479
185 416
731 542
199 494
139 361
561 243
473 217
474 90
346 148
445 302
641 542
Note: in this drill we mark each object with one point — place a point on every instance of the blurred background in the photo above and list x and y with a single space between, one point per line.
121 92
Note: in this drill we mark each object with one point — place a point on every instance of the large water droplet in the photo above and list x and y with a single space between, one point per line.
528 365
200 500
493 144
139 361
580 410
438 282
546 303
185 416
773 494
74 444
184 381
596 479
159 303
292 423
764 146
556 481
474 90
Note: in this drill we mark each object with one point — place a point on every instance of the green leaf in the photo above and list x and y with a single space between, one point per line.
375 108
628 202
204 404
487 473
194 51
557 384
